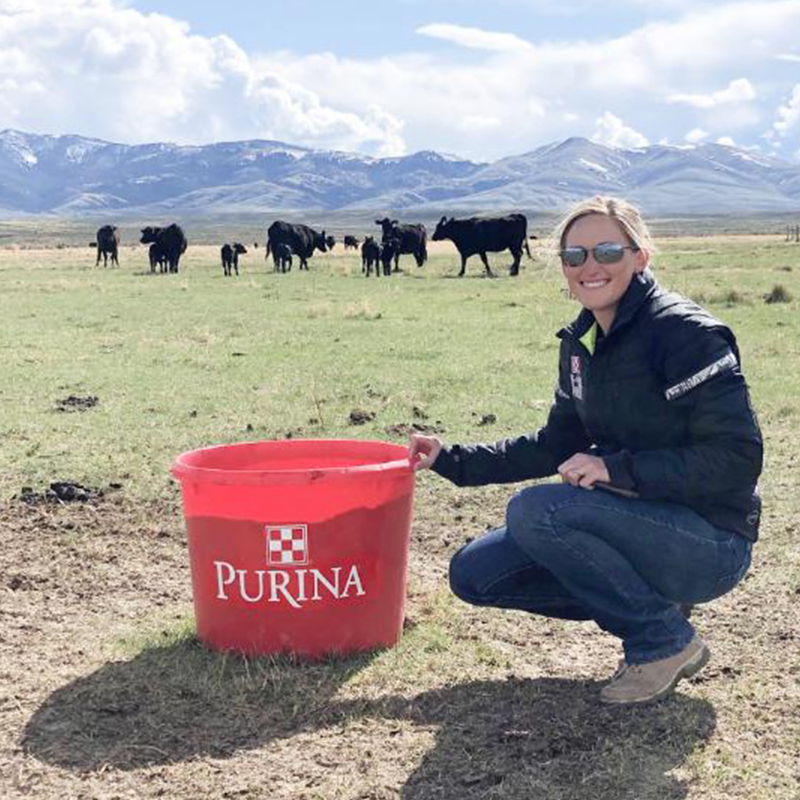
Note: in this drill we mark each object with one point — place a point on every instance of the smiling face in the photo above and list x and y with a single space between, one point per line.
599 287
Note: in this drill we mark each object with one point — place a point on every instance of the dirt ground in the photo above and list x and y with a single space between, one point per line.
85 715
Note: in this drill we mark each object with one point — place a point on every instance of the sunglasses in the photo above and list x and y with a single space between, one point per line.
604 253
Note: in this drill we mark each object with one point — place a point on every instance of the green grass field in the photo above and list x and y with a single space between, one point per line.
181 361
109 695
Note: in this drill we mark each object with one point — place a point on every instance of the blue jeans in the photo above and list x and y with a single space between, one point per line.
624 563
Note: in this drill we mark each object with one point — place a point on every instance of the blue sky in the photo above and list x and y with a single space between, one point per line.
366 29
477 79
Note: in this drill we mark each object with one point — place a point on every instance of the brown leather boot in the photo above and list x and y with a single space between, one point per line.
646 683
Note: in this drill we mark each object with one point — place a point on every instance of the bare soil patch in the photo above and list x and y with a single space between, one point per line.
403 429
64 492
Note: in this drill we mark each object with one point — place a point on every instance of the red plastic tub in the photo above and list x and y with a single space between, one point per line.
298 546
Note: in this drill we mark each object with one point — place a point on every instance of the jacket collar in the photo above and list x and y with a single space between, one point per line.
642 286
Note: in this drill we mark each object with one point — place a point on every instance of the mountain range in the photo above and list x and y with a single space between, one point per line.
78 176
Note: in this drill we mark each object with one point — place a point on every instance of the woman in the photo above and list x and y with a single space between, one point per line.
651 408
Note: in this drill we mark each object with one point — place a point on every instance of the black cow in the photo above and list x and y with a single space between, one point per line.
107 245
302 239
370 256
350 241
487 234
171 241
157 258
282 256
413 239
230 257
390 251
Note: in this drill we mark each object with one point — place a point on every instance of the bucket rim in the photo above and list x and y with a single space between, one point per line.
186 472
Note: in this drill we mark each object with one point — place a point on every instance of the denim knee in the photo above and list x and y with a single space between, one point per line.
526 511
462 579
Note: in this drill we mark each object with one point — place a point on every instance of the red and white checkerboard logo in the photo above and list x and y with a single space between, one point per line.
287 545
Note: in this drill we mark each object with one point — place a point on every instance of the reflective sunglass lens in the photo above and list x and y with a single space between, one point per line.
574 256
604 253
608 253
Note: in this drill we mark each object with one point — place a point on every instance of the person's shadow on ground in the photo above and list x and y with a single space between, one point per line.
527 738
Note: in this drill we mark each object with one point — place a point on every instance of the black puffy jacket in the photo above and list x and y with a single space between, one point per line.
661 398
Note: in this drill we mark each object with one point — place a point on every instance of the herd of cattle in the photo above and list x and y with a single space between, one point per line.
287 241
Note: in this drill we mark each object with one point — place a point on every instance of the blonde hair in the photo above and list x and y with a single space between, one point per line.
625 214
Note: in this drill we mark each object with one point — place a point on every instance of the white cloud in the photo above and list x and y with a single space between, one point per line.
610 130
118 74
788 57
696 135
788 114
726 140
473 122
629 74
476 38
133 77
737 91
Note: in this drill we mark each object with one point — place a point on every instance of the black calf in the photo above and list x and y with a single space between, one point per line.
230 257
158 258
282 254
370 256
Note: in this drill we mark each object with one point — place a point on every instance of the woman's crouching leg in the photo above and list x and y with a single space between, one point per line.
493 571
599 547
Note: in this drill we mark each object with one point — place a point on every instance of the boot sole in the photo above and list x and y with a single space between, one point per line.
690 668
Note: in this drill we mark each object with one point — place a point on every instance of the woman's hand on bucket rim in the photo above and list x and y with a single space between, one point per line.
423 450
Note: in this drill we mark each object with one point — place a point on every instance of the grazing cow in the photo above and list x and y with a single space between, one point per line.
488 234
157 258
330 242
107 245
413 239
350 241
370 256
282 256
230 257
171 241
302 239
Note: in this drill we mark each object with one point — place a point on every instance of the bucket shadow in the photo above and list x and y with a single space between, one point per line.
172 704
176 703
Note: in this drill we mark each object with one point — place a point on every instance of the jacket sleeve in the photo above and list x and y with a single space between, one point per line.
533 455
723 452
